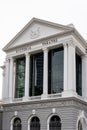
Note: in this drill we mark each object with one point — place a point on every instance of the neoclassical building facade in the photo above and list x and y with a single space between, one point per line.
45 78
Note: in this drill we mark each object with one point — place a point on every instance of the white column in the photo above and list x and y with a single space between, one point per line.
5 89
84 77
45 74
11 80
14 78
3 82
65 85
27 71
71 69
65 67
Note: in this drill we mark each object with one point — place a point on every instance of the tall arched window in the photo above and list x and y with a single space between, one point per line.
35 123
80 125
55 123
17 124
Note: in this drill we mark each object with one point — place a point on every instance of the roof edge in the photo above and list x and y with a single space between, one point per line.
29 23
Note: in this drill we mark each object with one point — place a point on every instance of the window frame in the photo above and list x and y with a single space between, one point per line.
17 74
50 53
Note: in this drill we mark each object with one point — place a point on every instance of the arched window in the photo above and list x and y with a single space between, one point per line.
55 123
80 125
35 123
17 124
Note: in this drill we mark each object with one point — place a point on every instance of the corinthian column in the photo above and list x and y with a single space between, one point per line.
65 66
71 69
65 83
45 74
27 70
11 80
5 89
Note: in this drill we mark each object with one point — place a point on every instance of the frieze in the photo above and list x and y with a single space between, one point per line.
23 49
51 41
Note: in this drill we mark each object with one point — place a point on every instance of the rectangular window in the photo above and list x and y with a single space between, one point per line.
36 74
55 70
78 75
20 77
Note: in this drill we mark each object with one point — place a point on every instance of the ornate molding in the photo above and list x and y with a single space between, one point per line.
26 54
7 59
53 110
15 113
35 33
45 49
71 43
65 44
33 112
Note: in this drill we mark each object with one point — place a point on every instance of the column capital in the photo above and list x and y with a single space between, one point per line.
3 73
11 58
71 43
26 54
7 59
65 44
45 49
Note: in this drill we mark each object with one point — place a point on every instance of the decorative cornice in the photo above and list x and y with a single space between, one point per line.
55 25
61 101
39 40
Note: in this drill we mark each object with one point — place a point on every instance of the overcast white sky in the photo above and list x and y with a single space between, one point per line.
15 14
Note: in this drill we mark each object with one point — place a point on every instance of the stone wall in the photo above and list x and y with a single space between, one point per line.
0 119
67 110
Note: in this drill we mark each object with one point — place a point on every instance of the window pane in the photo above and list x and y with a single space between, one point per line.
36 74
35 123
55 71
79 125
55 123
17 124
78 75
20 77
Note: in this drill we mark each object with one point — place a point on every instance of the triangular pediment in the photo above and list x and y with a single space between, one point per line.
36 29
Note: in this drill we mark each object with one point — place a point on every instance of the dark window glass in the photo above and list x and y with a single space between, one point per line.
55 123
17 124
20 78
78 74
35 123
36 74
55 71
79 125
